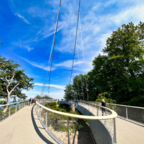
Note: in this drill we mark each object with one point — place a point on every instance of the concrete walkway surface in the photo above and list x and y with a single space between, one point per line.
129 133
24 128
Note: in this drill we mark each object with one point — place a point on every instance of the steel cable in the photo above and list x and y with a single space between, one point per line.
75 41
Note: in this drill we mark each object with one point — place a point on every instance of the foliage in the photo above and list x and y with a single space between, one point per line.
119 72
12 80
106 96
69 92
43 97
3 102
61 107
59 122
79 89
80 86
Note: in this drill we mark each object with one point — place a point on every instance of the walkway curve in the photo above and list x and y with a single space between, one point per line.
24 128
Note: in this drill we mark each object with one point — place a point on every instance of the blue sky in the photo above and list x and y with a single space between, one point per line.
27 28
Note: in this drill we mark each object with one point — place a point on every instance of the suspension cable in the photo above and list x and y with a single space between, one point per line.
75 41
42 91
53 46
83 58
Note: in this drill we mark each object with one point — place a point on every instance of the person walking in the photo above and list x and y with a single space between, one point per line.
30 101
104 105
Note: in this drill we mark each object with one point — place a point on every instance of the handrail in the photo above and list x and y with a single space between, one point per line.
119 105
127 106
113 114
11 103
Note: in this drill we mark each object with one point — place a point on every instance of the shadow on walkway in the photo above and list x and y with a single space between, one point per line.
37 128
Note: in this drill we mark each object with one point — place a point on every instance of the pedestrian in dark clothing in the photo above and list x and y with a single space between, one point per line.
104 105
30 101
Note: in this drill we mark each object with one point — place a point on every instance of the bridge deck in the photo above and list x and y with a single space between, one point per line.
127 132
23 128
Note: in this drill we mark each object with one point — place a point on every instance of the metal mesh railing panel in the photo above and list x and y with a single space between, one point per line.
3 115
12 108
121 111
69 130
57 125
135 114
101 111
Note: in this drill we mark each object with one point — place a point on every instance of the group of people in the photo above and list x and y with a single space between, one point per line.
31 101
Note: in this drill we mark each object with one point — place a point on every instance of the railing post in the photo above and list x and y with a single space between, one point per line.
95 108
46 121
98 111
114 128
68 134
9 110
37 108
40 112
126 113
15 108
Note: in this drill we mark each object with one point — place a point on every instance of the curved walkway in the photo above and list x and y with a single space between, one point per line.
129 133
24 128
126 131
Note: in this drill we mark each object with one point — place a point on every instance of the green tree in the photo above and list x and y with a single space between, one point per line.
46 97
38 97
121 70
69 92
106 96
12 80
81 87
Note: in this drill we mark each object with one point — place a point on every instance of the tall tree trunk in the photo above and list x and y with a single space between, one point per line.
8 98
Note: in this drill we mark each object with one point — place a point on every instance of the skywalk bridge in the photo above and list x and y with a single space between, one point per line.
36 124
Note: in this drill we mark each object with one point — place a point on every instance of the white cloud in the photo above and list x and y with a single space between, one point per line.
47 31
57 94
23 18
36 65
133 14
68 64
109 3
97 24
28 48
79 66
51 85
23 45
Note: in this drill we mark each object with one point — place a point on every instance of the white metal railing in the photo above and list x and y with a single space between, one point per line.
132 113
65 127
12 108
